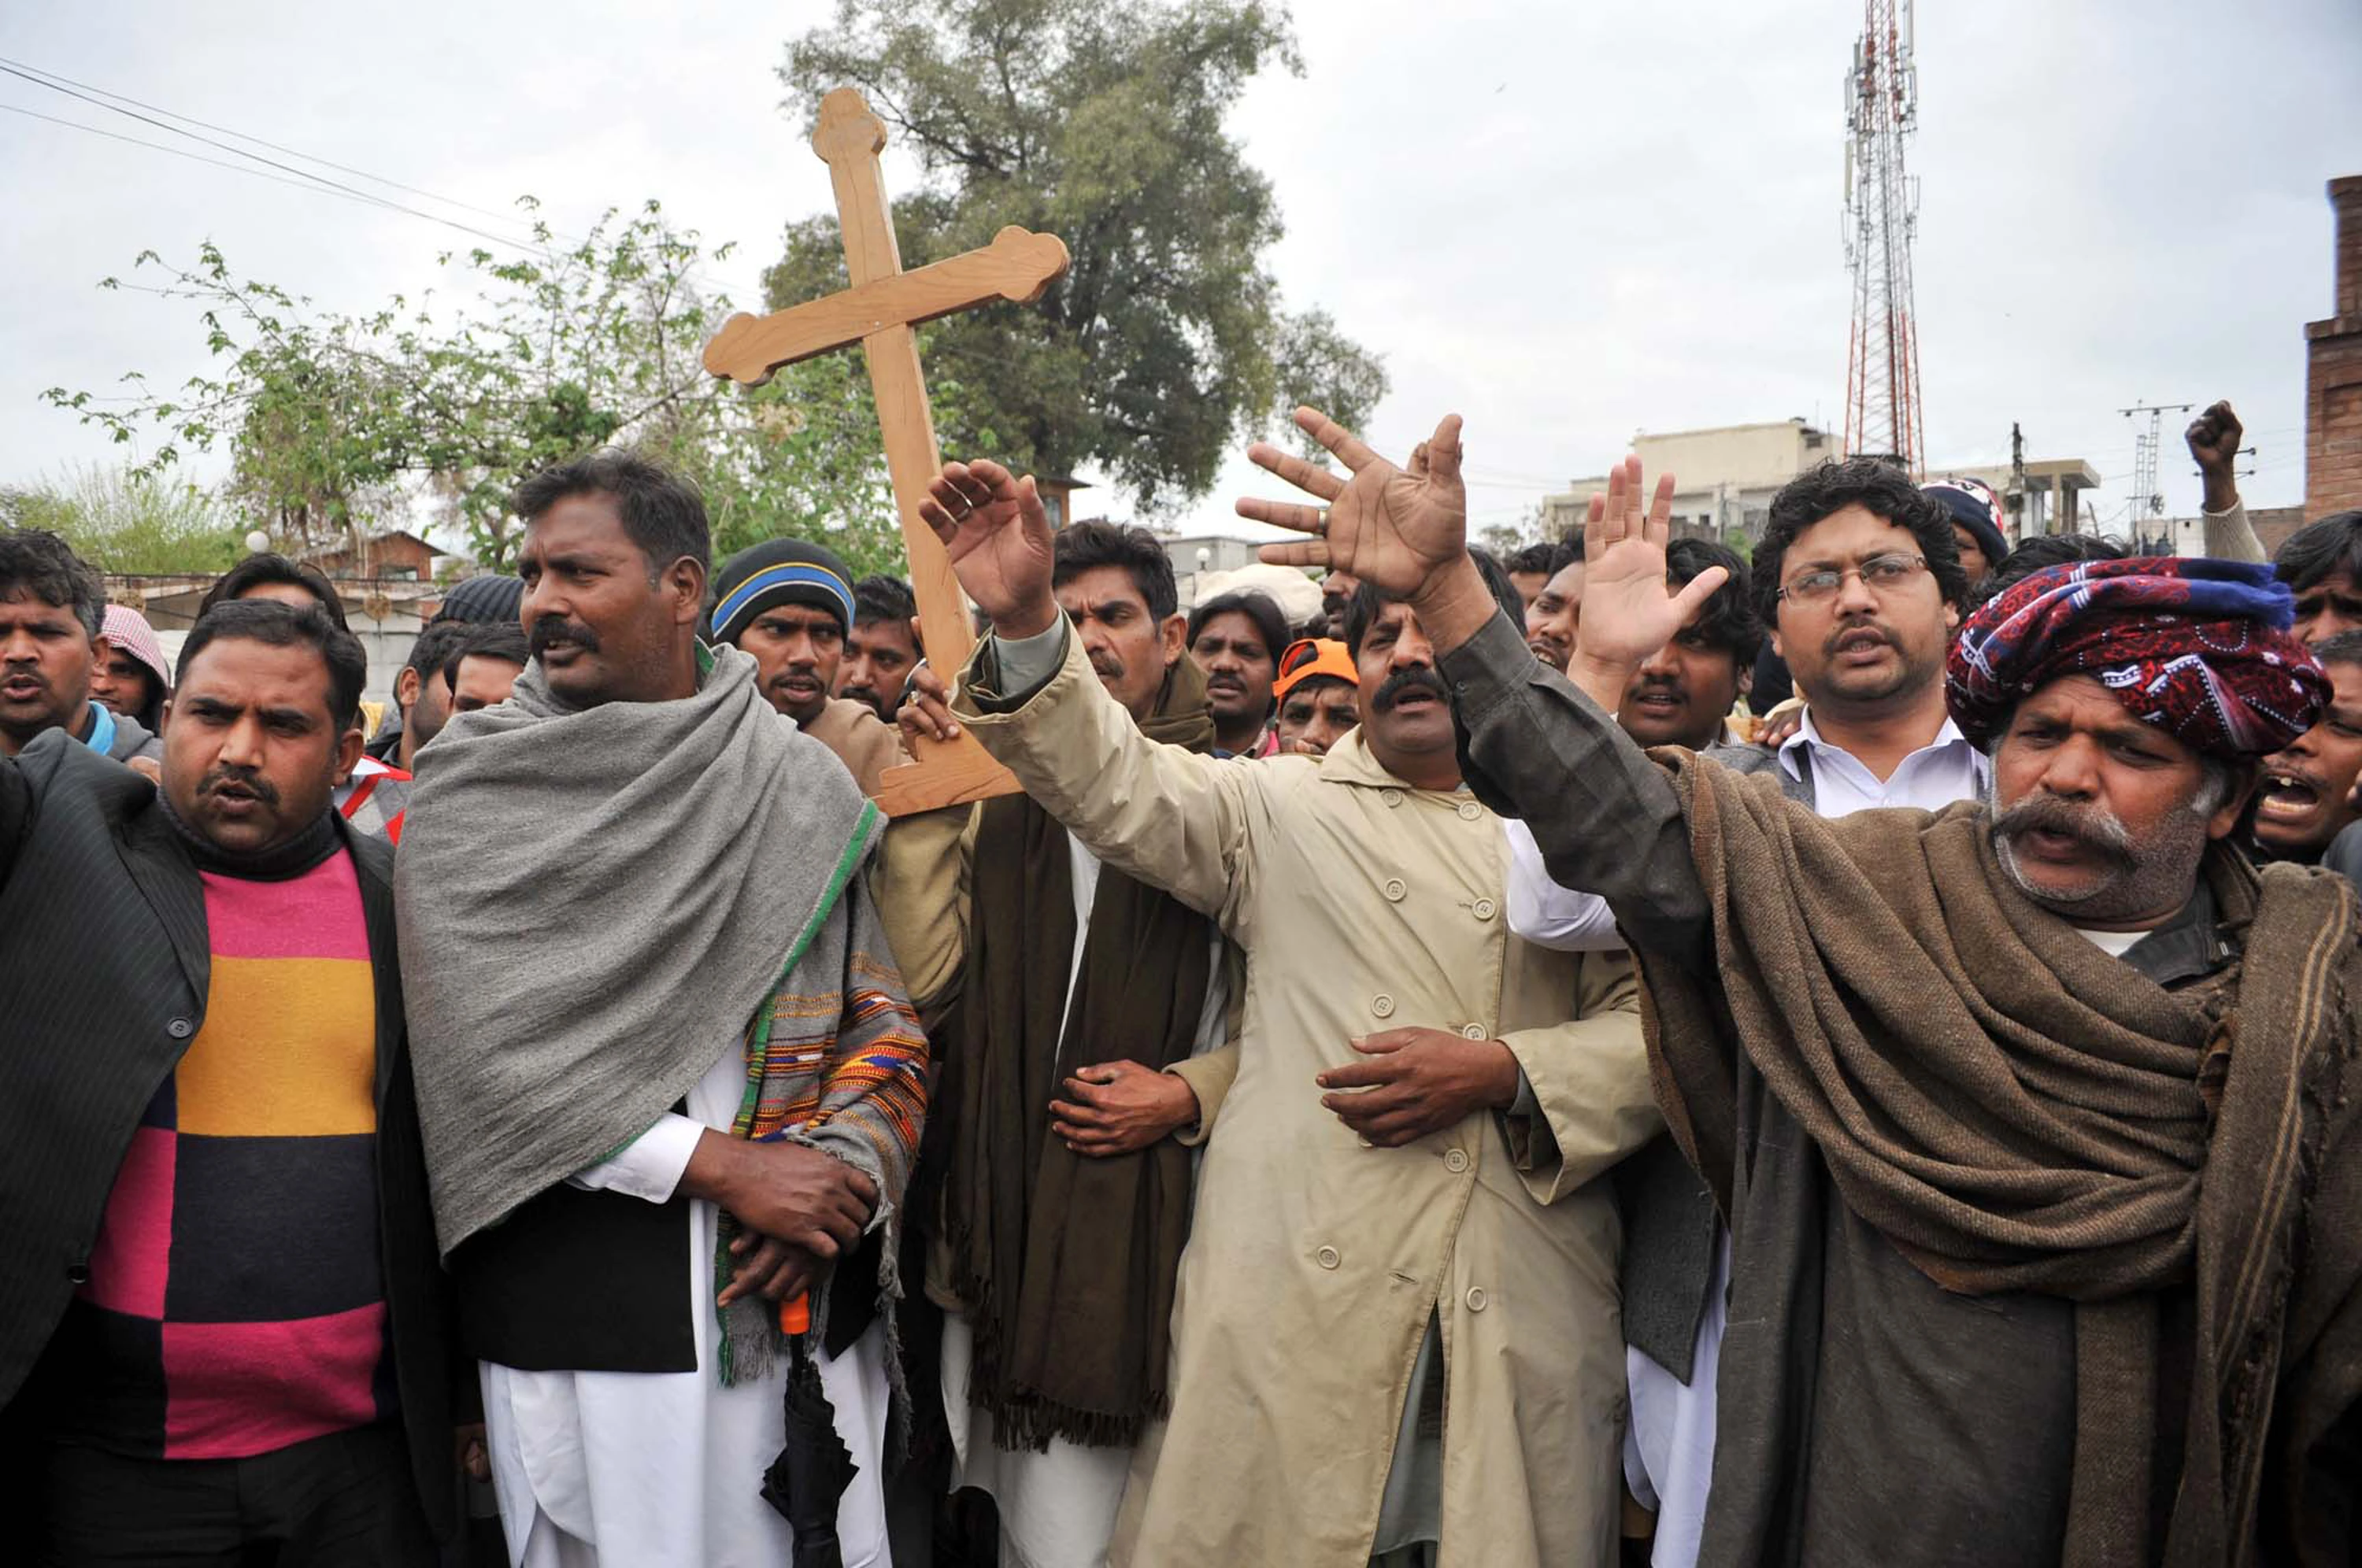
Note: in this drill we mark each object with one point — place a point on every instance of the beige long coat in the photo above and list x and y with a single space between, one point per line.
1314 1262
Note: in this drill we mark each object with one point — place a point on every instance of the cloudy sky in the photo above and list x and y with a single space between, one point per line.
1566 220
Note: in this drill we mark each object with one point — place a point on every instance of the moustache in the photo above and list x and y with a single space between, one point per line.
253 783
1106 668
1391 688
551 630
2094 826
1854 628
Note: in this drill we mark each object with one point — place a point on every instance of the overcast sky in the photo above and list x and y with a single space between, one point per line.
1567 222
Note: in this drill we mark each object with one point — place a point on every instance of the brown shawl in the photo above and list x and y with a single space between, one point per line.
2017 1110
1067 1263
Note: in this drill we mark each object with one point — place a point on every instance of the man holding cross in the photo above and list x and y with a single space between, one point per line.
2033 1120
1396 1321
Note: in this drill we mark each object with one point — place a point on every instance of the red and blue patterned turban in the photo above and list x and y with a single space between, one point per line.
2200 649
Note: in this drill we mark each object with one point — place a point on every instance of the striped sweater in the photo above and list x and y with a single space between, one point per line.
236 1302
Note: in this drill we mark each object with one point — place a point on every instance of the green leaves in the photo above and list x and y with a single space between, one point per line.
1165 346
404 416
121 521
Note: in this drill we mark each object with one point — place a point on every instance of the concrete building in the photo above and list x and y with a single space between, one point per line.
2052 502
1196 554
385 613
395 556
2333 381
1728 476
2186 535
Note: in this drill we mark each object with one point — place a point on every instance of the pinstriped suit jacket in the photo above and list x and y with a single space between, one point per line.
104 967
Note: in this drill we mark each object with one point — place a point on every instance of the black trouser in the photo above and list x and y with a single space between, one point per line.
346 1498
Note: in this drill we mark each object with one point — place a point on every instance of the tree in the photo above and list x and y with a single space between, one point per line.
1100 121
1503 539
122 520
338 426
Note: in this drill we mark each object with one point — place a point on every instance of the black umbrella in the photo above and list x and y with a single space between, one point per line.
814 1467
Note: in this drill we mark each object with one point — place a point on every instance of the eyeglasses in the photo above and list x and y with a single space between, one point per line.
1879 574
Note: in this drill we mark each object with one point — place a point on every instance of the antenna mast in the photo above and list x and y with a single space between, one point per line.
1881 207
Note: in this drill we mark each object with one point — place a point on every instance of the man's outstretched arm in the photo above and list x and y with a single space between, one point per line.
1171 818
1535 747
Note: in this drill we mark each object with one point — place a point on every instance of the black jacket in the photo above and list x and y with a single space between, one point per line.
104 969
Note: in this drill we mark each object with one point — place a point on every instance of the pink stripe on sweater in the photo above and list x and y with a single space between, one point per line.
235 1389
316 915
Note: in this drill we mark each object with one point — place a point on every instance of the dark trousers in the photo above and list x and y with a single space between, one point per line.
346 1498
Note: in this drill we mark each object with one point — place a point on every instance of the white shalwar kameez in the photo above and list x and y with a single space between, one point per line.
1057 1507
664 1470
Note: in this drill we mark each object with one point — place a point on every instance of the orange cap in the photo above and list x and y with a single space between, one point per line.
1308 657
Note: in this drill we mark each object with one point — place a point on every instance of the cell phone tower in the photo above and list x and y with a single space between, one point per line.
1882 210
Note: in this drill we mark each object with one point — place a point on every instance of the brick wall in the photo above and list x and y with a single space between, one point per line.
2333 392
2273 525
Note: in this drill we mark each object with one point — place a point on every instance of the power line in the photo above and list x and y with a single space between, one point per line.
299 178
321 180
51 79
302 185
21 67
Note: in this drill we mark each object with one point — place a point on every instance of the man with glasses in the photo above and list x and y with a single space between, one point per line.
2035 1117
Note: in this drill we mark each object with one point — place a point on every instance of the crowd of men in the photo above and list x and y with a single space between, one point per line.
1844 1054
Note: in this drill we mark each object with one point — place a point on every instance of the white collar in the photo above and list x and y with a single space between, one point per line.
1807 733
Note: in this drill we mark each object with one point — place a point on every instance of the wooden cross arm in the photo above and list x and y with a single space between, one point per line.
1017 266
947 773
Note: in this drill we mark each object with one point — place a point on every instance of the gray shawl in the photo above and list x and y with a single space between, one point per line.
592 904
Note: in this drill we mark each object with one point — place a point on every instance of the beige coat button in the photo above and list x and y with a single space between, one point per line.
1395 890
1484 909
1326 1257
1474 1032
1475 1298
1383 1006
1470 810
1391 796
1455 1160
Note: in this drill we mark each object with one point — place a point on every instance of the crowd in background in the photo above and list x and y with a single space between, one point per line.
559 1120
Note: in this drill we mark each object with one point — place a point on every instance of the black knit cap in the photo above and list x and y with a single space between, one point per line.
478 600
1973 506
775 572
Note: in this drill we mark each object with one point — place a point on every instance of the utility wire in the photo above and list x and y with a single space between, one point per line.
304 183
300 179
323 181
22 68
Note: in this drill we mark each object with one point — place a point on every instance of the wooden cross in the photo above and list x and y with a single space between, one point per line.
878 312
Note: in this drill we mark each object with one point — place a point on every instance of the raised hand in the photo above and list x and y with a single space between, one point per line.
997 534
1399 528
2214 439
1628 612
